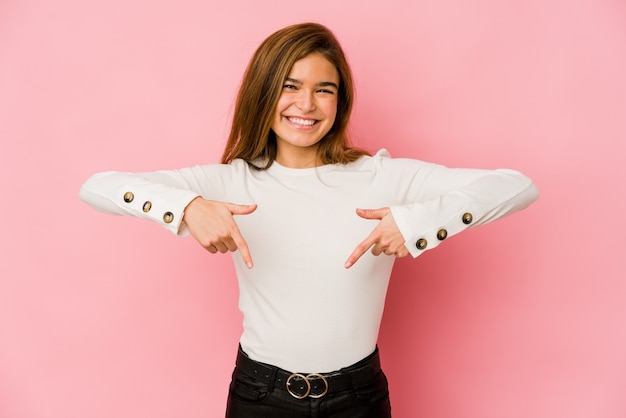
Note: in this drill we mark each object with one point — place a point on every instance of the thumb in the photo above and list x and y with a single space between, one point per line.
372 213
240 209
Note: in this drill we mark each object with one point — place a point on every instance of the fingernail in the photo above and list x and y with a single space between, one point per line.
347 265
249 264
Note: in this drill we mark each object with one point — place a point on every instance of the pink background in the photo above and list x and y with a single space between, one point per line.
113 317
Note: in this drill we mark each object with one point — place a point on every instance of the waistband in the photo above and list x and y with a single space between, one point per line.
310 385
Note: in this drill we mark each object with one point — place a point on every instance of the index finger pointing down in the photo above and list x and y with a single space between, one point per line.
243 248
360 250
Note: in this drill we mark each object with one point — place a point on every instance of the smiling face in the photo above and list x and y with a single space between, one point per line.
305 111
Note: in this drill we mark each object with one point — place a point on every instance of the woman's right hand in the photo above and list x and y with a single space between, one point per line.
212 224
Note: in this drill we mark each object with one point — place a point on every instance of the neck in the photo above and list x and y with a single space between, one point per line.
306 158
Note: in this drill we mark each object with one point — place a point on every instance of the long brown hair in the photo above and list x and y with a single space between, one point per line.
251 137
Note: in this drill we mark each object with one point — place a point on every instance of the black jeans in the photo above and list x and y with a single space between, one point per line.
259 390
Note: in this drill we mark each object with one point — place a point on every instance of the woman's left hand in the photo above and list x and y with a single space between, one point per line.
385 238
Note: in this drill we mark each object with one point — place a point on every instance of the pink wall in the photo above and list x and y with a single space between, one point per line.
110 317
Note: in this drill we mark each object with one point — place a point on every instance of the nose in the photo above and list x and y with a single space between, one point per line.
305 102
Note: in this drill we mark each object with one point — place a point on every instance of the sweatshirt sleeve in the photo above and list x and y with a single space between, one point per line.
159 196
440 202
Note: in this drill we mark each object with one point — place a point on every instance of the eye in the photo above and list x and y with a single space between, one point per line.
326 91
290 87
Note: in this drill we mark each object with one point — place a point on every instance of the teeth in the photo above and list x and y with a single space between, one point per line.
304 122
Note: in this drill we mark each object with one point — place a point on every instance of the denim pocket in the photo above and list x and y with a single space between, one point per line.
247 389
373 393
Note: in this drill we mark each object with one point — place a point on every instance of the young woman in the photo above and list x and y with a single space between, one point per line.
308 215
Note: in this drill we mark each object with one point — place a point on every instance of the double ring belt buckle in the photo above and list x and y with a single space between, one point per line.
299 385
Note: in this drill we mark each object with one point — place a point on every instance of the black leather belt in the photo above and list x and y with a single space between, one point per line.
311 385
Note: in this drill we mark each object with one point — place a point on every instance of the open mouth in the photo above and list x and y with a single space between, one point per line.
299 122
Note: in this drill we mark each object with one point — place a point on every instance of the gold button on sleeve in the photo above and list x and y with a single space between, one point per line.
467 218
168 217
442 234
147 206
128 197
421 244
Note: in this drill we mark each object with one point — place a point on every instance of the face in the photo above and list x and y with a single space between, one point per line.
306 110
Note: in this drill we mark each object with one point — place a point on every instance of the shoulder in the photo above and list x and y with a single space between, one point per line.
235 168
384 162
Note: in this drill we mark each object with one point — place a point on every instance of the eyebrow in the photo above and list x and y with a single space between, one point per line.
320 84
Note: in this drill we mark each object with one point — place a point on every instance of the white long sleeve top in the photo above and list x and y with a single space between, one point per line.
302 310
